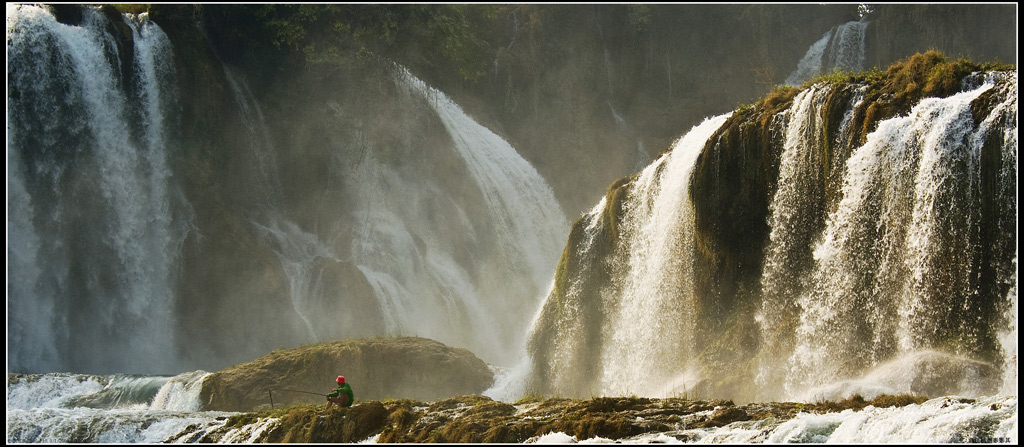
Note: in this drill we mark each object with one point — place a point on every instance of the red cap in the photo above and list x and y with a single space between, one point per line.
341 379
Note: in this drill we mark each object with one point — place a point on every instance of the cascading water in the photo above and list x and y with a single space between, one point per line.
603 342
517 196
76 408
840 48
653 277
297 250
406 228
911 199
794 211
99 235
889 266
98 217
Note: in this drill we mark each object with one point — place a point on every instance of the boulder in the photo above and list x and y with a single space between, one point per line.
376 368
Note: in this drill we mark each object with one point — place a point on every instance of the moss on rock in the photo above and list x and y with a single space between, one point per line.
477 419
378 368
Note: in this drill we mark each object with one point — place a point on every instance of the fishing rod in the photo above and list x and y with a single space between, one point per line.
271 393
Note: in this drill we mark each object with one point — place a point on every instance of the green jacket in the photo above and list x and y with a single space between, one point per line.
344 389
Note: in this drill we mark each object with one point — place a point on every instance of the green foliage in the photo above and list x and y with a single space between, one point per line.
896 90
836 77
857 402
131 8
334 36
529 399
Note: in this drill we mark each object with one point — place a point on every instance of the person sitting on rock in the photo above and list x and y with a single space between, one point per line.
342 396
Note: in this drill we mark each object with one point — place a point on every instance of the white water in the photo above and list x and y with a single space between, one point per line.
63 408
532 224
657 230
119 133
861 290
844 45
907 163
943 420
810 65
409 226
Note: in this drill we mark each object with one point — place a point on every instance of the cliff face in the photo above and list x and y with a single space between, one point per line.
795 259
619 80
382 368
561 83
616 80
289 147
955 30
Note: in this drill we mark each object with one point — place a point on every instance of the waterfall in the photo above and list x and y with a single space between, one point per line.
297 250
887 277
629 337
889 266
846 48
646 344
98 187
840 48
517 196
412 238
98 217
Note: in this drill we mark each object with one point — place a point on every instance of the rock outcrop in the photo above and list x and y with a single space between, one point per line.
476 419
377 368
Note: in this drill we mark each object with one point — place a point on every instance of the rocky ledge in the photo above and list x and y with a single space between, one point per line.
376 368
475 419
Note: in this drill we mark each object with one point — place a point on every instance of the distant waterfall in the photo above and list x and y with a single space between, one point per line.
94 234
519 199
97 218
298 251
890 266
840 48
409 226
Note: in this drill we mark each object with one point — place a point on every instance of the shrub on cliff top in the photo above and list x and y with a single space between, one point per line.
905 83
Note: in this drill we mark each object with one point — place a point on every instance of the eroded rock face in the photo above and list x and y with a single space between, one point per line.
377 368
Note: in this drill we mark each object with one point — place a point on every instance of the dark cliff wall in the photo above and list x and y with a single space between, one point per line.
732 188
978 32
561 74
549 79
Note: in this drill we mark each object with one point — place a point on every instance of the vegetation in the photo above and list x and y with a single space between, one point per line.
331 37
897 89
857 402
131 8
476 419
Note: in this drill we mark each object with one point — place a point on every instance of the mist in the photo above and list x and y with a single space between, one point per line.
186 192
